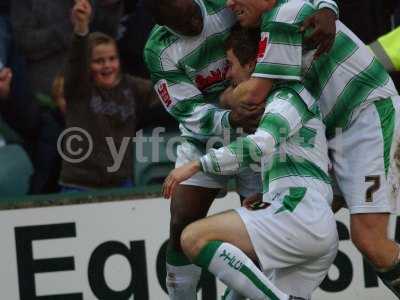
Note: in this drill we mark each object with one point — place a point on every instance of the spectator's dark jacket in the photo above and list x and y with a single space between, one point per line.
136 28
42 31
107 16
4 7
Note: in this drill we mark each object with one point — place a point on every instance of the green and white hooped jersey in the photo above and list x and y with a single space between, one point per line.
189 72
342 81
290 143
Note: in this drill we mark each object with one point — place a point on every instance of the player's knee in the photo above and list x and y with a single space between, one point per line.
179 220
192 241
181 217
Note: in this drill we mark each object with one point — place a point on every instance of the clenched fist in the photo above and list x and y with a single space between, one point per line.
80 16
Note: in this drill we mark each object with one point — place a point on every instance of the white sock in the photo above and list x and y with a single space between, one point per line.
182 281
238 271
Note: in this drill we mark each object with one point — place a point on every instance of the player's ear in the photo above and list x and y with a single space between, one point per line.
251 66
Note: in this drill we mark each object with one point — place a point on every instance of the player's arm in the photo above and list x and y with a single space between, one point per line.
185 102
253 91
187 105
226 98
247 97
283 117
323 23
279 57
243 114
331 4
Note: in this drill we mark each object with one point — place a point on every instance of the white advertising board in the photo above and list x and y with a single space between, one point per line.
115 250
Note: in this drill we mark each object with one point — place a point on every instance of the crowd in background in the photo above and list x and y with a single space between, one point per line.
35 38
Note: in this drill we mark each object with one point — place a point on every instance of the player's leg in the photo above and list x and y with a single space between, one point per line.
365 183
248 185
369 234
301 242
221 244
189 204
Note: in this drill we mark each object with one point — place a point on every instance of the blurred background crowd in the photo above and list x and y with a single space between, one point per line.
35 37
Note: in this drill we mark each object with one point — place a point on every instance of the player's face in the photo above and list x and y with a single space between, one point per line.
237 73
248 12
104 65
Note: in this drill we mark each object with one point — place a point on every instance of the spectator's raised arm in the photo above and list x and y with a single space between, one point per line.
77 74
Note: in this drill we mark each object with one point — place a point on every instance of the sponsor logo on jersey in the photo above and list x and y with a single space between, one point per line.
163 93
214 76
263 46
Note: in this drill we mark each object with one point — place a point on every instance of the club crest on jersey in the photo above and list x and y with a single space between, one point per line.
213 77
263 46
163 93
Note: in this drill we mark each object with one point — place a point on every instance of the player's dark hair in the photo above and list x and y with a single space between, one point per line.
243 42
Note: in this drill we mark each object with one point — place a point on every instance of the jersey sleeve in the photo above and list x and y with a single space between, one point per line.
283 117
331 4
185 102
280 51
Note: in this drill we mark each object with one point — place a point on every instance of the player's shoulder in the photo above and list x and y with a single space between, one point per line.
288 12
295 94
284 91
214 6
159 39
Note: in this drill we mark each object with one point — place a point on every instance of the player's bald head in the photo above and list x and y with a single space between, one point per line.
182 16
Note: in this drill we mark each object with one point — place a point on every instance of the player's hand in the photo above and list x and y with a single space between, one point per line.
178 175
247 116
225 99
249 201
323 22
5 82
80 16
